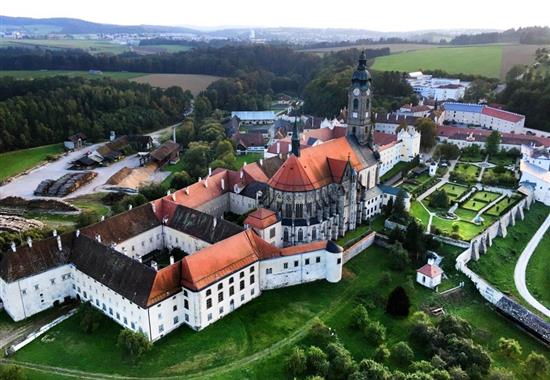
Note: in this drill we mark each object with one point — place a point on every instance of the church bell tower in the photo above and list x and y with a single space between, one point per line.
359 103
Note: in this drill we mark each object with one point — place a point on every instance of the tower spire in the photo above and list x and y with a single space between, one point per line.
295 138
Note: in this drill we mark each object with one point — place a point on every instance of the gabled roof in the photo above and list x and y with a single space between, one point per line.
292 176
254 115
123 226
463 107
261 218
383 139
124 275
165 150
501 114
430 270
337 168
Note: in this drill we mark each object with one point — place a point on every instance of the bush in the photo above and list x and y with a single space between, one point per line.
509 348
11 372
359 317
402 353
153 191
381 354
85 218
320 334
134 344
90 318
536 366
375 332
180 180
399 257
440 199
317 361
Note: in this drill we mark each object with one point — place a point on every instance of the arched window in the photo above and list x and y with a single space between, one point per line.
355 104
314 233
285 236
300 235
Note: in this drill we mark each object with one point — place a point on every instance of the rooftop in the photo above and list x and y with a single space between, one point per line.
254 115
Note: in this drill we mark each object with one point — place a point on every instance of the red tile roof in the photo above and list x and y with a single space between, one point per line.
501 114
480 134
202 191
430 270
292 176
261 218
381 138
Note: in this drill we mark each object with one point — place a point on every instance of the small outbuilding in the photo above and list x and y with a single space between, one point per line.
75 141
429 275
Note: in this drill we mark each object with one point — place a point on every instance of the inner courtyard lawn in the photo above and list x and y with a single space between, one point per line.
538 271
501 206
467 169
497 265
454 190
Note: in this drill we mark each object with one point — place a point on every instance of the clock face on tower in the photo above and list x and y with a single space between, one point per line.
356 92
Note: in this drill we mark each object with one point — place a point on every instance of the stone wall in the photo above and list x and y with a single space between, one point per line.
359 247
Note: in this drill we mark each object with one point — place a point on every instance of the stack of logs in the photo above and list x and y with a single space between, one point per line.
64 185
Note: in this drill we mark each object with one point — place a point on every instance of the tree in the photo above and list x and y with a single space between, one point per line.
451 324
11 372
320 334
197 158
90 318
478 89
359 317
399 211
381 354
317 361
402 353
398 303
492 144
134 344
414 240
375 332
536 365
509 347
341 362
371 370
399 257
458 373
388 208
85 218
153 191
296 363
440 199
180 180
500 374
428 132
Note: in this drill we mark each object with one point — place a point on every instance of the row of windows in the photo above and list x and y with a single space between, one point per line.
53 281
231 291
221 309
296 263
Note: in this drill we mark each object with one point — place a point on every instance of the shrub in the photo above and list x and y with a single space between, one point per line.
381 354
402 353
509 347
375 332
359 317
90 318
296 363
536 366
317 361
398 303
134 344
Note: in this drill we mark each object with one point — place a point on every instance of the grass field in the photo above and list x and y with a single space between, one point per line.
192 82
92 46
254 341
248 158
538 271
501 206
36 74
497 265
18 161
454 191
394 48
155 49
480 60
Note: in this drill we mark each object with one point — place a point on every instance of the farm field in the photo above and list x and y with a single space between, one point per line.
32 74
192 82
254 341
92 46
394 48
155 49
18 161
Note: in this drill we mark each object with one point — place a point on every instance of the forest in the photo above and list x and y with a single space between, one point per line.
44 111
529 35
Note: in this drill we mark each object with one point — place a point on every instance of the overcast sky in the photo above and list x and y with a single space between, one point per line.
388 15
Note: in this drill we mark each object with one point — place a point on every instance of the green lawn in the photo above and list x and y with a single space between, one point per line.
474 204
18 161
479 60
420 212
397 168
467 169
36 74
472 158
501 206
281 317
92 46
538 271
248 158
454 190
497 265
502 160
485 196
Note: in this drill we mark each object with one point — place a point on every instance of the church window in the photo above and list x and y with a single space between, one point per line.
288 210
220 286
300 235
242 297
355 104
231 280
209 292
175 307
339 261
252 269
186 304
318 259
176 320
186 317
314 233
252 291
285 265
231 290
285 238
308 207
296 263
24 291
221 310
161 328
117 316
241 275
252 279
300 210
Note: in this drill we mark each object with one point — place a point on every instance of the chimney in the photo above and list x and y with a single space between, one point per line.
102 218
186 190
215 222
206 183
154 265
200 179
278 147
223 183
59 246
290 147
129 207
165 220
168 192
261 161
154 207
98 238
241 174
12 246
171 260
174 197
77 233
54 233
209 171
174 134
29 241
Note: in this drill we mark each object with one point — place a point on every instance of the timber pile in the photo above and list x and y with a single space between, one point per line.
64 185
18 206
13 223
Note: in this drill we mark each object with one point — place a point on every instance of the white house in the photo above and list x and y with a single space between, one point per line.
437 88
484 116
429 275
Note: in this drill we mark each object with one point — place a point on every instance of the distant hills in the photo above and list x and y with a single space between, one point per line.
77 26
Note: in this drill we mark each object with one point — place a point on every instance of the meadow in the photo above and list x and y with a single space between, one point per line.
12 163
192 82
37 74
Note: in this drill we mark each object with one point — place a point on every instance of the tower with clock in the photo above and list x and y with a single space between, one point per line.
359 103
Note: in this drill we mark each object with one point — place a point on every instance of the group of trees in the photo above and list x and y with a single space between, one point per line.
428 132
45 111
528 35
415 241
